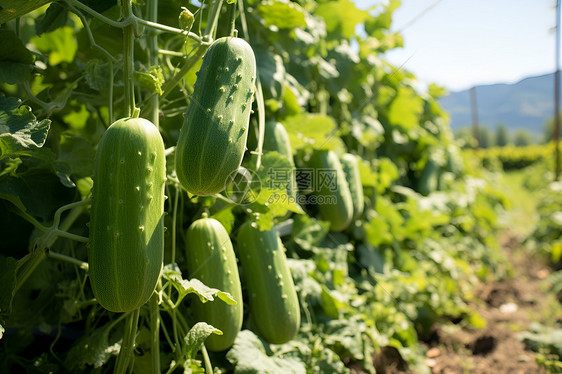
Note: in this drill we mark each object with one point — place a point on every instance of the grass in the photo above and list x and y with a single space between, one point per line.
522 217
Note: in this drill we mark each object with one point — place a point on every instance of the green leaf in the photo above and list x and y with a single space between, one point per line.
226 218
406 108
78 154
7 286
374 24
282 14
172 273
92 348
273 199
308 232
77 119
248 355
59 45
314 130
97 74
196 337
19 129
345 335
55 17
341 16
16 61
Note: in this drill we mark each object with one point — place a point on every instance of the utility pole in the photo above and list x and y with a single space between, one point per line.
474 109
557 96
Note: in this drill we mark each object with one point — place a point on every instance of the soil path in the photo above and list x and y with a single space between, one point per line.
508 306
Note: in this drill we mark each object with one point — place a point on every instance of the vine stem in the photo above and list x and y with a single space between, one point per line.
174 221
126 352
232 19
58 256
152 41
178 76
154 332
213 20
27 264
129 58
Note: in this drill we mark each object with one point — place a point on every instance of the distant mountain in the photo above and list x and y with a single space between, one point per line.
527 104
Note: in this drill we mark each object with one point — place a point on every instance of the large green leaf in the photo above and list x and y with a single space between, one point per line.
59 45
282 14
16 61
406 109
341 16
314 130
10 9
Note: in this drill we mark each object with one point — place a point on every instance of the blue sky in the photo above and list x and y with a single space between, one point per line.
461 43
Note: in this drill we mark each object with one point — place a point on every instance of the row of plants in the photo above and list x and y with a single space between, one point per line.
543 241
512 157
322 265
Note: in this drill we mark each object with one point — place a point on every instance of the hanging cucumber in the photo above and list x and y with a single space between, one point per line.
331 189
213 137
127 215
276 139
210 258
273 301
350 166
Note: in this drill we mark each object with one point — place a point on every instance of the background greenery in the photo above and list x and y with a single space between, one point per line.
424 241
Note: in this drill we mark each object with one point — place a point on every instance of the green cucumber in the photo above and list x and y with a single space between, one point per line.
213 137
276 139
210 258
273 300
429 178
333 197
350 166
127 215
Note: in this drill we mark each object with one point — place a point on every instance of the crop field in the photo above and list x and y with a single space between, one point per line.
248 186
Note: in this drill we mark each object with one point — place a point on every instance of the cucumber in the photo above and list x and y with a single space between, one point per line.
210 258
333 197
213 137
429 178
127 215
273 301
276 139
350 166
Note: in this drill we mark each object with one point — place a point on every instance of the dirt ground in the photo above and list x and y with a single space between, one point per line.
508 306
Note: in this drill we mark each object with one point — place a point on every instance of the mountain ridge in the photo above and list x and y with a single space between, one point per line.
526 104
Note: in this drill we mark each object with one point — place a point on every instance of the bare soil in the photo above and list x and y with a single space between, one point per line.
508 306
